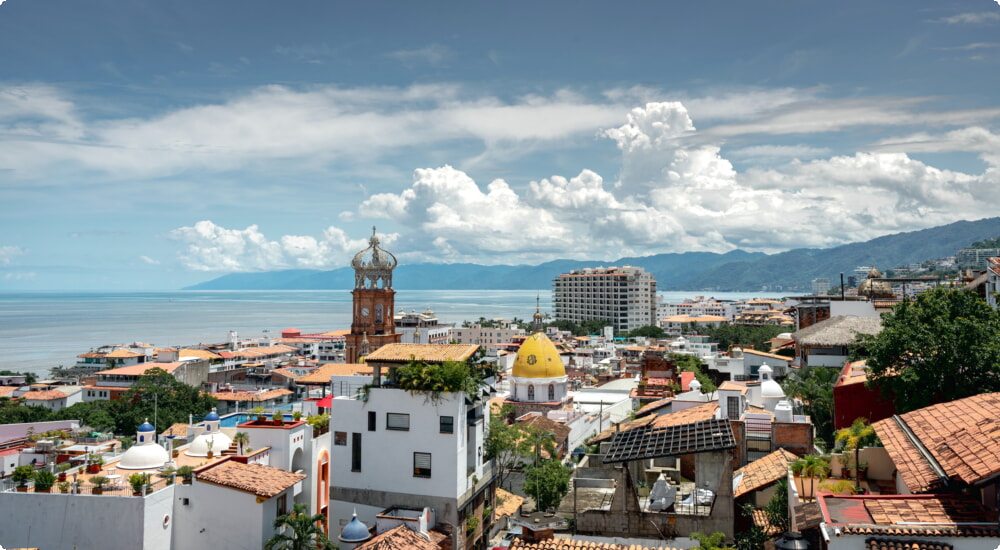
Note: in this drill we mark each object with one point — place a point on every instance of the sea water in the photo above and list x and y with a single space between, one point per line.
41 330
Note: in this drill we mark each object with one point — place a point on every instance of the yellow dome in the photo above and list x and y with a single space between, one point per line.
538 358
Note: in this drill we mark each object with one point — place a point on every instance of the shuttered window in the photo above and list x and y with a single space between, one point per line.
397 421
421 464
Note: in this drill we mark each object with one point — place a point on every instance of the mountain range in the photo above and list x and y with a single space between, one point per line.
736 270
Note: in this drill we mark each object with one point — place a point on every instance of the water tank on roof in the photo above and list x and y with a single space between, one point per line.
736 353
783 412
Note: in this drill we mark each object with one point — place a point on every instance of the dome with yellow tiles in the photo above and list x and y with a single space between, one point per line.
538 358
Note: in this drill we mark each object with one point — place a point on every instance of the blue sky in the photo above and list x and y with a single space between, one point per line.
152 145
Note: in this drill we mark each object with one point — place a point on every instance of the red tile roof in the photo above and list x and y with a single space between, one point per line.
698 413
258 479
764 471
573 544
400 537
962 437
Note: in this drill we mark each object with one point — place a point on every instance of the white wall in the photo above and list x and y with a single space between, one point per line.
57 521
221 518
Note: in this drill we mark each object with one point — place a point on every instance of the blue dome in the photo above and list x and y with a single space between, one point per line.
211 417
355 531
146 427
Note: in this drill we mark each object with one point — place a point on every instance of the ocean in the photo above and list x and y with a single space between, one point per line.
41 330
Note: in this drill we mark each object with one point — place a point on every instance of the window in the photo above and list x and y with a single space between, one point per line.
447 424
552 392
372 419
340 438
282 505
397 421
355 452
531 392
733 406
421 464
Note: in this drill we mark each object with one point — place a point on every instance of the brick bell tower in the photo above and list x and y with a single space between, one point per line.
373 324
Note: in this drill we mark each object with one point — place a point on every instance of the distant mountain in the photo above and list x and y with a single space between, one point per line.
733 271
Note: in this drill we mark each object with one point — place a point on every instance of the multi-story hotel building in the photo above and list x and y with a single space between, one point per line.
623 296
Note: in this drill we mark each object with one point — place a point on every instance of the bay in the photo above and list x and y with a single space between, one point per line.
41 330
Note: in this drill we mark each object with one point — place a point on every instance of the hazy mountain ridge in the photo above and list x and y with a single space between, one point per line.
733 271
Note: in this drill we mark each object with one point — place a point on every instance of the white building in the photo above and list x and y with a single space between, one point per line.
625 296
413 449
487 337
421 328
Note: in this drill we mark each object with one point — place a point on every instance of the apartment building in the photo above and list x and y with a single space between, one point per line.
623 296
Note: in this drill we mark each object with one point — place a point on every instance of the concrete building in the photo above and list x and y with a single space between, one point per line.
623 296
421 328
411 448
975 258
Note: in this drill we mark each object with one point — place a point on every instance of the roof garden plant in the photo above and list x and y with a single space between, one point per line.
44 480
438 378
23 474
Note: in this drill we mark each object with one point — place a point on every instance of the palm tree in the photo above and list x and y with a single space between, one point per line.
299 531
813 467
242 439
860 434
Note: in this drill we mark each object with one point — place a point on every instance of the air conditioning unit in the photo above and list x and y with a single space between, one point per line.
45 445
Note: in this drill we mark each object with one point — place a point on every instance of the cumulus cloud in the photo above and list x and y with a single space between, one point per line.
210 247
678 193
970 18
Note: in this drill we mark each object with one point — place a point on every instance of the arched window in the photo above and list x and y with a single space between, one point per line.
531 392
552 392
378 314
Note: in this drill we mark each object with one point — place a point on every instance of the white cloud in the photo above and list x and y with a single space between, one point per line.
148 260
210 247
967 18
773 153
19 275
8 253
434 55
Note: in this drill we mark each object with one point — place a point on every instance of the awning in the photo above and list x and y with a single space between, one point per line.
326 402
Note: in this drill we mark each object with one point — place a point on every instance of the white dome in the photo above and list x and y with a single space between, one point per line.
768 387
144 457
695 385
199 447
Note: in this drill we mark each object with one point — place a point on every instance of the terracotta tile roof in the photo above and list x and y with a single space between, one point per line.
653 406
854 373
199 353
400 537
991 532
178 430
761 520
322 374
141 368
258 479
573 544
249 396
938 510
698 413
92 355
892 544
44 395
733 386
507 504
404 353
7 390
546 425
775 356
962 436
628 425
764 471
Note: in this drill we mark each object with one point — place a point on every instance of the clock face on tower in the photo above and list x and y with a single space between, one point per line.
364 312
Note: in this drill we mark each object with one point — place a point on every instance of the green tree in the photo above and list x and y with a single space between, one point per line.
814 387
502 444
860 434
647 331
94 414
547 483
690 363
815 468
715 541
776 509
158 394
940 346
241 439
449 376
299 531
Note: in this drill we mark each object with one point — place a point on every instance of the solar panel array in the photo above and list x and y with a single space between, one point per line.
649 442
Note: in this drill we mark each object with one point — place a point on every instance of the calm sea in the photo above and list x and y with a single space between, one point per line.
41 330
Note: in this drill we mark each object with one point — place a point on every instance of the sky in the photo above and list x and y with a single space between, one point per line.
150 145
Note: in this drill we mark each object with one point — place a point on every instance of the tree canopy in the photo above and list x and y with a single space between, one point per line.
547 483
814 387
940 346
299 531
157 394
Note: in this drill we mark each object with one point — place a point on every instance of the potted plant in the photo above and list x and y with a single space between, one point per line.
845 465
94 463
63 487
44 480
138 481
98 485
643 487
297 415
23 474
863 471
210 443
259 413
186 473
278 418
167 473
63 467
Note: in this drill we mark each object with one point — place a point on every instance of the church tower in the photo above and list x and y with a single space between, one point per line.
374 299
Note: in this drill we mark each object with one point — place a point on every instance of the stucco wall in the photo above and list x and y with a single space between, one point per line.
56 521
